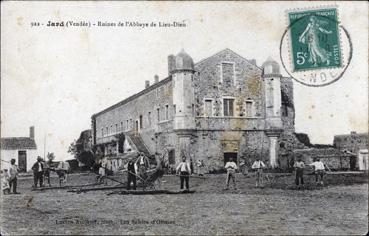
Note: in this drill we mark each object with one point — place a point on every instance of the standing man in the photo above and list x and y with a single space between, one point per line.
191 166
258 165
13 173
299 168
62 170
142 164
318 170
132 172
47 172
184 171
231 167
38 170
159 169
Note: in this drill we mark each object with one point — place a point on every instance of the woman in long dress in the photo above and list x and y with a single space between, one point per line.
310 37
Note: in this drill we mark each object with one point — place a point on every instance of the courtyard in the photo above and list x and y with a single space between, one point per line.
340 207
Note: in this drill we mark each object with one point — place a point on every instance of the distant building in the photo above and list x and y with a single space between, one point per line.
355 143
222 107
22 149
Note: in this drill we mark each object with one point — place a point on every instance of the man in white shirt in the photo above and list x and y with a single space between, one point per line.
184 171
258 165
231 168
62 171
13 173
318 170
143 165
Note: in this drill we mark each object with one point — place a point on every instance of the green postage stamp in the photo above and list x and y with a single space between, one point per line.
315 39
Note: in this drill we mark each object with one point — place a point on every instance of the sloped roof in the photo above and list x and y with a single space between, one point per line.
229 51
16 143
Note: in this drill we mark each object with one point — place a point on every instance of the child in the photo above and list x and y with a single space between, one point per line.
5 181
102 172
319 170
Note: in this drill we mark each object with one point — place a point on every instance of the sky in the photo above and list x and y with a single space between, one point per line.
55 78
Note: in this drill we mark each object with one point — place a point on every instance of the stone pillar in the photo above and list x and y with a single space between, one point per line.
273 151
183 144
117 147
273 135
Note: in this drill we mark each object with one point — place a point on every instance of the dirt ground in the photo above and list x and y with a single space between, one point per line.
340 207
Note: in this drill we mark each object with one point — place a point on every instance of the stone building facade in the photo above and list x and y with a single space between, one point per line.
355 143
222 107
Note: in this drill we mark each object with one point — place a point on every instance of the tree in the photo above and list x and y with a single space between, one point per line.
73 148
50 156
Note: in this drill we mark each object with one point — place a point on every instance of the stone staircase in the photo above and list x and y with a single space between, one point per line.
138 142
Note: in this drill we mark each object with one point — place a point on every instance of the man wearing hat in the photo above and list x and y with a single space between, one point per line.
38 170
132 172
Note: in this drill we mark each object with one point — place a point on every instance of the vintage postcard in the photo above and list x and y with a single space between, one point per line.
184 118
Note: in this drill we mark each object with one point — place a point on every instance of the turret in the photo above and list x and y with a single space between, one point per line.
273 103
181 68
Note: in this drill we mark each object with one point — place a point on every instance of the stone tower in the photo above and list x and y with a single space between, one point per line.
273 103
182 72
181 68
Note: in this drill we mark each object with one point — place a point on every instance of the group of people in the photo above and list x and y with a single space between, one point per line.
319 170
41 172
9 178
139 168
184 171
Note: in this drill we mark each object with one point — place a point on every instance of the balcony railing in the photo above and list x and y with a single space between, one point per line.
164 126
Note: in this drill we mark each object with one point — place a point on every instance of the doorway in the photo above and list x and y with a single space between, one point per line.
230 155
136 126
22 161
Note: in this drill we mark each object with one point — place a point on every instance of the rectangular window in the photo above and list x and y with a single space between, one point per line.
208 107
171 157
228 107
149 118
158 114
227 74
166 112
249 109
102 132
141 122
107 130
116 128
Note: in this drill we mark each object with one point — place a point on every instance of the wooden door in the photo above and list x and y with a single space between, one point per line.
22 161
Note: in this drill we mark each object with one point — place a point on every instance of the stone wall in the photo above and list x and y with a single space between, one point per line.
210 147
158 96
351 142
331 157
247 85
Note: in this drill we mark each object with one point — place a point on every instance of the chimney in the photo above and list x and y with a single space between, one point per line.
156 79
147 84
32 132
171 64
253 61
